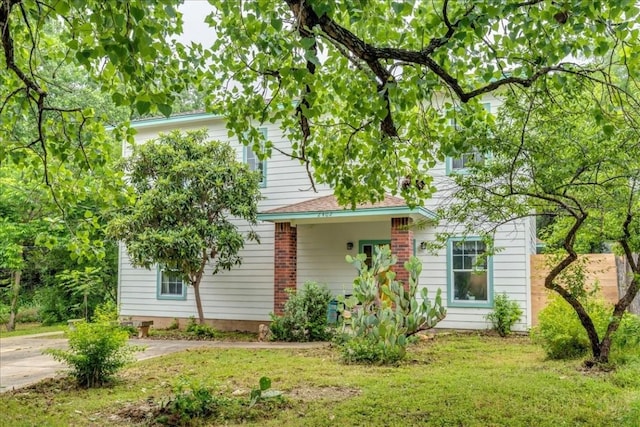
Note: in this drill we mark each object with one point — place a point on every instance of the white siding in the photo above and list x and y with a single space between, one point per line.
246 292
322 249
510 275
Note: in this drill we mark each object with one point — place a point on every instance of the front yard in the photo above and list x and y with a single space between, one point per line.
452 380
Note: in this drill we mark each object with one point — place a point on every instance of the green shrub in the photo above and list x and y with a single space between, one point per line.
369 351
4 313
505 314
29 314
560 332
200 331
53 305
190 401
382 314
106 312
96 352
305 315
562 336
175 325
626 341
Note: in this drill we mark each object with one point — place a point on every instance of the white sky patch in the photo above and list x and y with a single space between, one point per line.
194 28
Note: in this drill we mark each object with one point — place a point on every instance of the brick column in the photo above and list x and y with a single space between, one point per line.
285 263
402 246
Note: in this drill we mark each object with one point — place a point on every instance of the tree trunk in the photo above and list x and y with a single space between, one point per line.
196 291
195 282
15 292
625 276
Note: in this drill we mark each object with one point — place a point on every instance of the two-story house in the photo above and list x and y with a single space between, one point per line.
305 236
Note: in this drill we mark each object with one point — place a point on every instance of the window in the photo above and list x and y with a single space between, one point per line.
461 163
251 159
469 273
170 285
466 160
367 247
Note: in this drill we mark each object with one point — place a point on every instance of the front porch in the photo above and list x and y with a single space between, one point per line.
312 238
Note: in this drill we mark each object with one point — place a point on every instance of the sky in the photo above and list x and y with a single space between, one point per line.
195 29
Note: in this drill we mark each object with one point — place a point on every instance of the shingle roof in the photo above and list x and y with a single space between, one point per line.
330 203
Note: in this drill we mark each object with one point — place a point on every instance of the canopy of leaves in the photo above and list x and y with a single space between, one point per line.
188 192
23 217
569 152
68 69
365 90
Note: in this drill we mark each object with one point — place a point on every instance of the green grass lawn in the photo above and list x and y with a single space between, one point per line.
30 329
453 380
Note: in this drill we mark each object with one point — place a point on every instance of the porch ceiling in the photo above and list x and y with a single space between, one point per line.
326 209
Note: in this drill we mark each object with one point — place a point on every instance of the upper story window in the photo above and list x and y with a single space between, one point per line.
465 161
460 164
251 159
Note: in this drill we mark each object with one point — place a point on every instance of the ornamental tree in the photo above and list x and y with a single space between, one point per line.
364 90
189 193
568 150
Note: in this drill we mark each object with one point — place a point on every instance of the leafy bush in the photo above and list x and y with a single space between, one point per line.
369 351
382 314
106 312
560 332
96 352
200 331
626 341
505 314
53 305
305 315
192 401
30 314
562 336
4 313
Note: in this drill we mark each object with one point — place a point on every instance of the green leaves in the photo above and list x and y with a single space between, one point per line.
382 65
187 189
381 313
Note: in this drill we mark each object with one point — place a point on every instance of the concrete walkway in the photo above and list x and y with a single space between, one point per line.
22 362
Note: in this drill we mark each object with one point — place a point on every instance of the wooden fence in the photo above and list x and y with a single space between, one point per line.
600 269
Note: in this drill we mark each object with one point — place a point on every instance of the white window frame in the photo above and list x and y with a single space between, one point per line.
162 274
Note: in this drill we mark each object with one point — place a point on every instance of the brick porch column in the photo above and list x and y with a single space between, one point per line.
402 246
285 263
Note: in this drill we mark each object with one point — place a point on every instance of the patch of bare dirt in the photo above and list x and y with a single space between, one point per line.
309 394
138 412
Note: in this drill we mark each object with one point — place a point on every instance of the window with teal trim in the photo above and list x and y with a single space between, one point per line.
251 158
367 248
170 285
469 273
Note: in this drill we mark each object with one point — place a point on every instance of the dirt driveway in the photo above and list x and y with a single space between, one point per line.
22 362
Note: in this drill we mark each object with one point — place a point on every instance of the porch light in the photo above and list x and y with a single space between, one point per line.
423 245
349 246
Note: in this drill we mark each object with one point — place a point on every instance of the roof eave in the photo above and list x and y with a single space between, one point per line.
363 213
